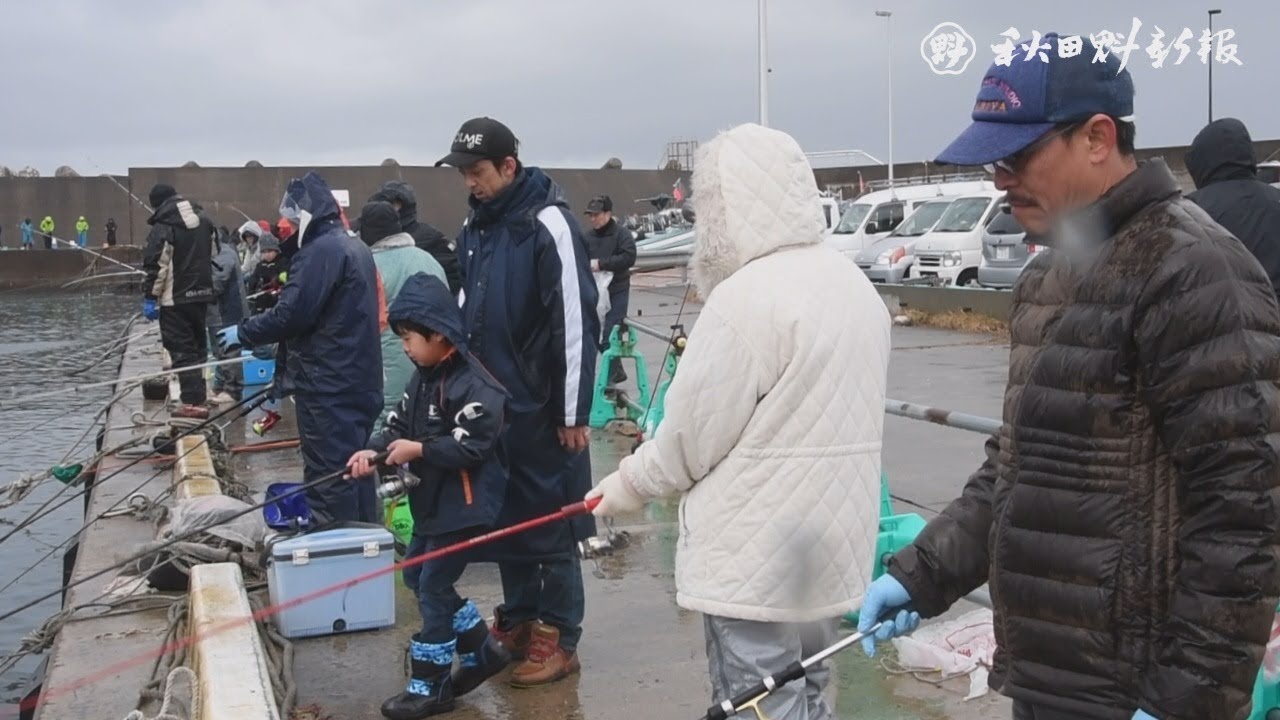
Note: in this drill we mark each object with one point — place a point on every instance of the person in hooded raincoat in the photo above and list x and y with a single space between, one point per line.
46 228
28 231
397 259
530 311
326 325
82 232
250 232
111 232
401 196
1225 170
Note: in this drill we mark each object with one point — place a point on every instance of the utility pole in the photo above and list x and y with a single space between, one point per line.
888 16
763 40
1211 14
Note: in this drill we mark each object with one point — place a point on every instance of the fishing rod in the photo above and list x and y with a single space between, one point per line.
751 698
132 270
248 405
9 404
567 512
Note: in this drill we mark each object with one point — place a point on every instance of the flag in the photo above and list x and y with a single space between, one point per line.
677 191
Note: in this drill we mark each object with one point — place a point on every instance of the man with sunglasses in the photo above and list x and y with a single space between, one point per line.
1127 517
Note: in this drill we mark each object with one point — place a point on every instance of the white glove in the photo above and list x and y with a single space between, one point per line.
617 498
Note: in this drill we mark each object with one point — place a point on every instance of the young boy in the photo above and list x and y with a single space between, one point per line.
269 276
447 428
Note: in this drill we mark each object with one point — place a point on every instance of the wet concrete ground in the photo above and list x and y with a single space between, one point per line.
642 656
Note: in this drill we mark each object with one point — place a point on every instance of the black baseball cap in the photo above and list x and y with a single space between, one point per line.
481 138
599 204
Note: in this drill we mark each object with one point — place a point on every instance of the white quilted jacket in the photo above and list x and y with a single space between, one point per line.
775 416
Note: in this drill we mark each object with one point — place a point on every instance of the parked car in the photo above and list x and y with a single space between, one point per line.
1005 251
1269 172
952 251
889 259
874 215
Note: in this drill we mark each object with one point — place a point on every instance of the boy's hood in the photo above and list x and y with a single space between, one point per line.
425 300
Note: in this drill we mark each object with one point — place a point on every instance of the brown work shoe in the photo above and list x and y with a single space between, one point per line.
516 640
547 662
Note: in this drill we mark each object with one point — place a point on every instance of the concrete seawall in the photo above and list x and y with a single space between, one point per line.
50 268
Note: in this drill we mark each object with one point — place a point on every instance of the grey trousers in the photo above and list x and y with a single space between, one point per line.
742 652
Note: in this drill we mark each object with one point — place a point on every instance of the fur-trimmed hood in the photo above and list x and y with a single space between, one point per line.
755 194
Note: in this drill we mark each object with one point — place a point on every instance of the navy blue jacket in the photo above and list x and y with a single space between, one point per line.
457 410
529 300
326 318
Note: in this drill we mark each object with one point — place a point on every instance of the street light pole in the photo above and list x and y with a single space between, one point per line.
888 16
763 40
1211 14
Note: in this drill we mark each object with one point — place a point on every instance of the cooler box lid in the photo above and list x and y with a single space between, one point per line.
369 542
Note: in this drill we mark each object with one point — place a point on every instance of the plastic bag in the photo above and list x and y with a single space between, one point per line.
212 512
964 646
603 278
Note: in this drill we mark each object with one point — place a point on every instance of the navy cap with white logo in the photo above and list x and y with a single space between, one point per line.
481 138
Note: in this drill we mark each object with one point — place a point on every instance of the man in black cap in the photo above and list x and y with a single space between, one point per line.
178 262
612 248
1127 518
530 311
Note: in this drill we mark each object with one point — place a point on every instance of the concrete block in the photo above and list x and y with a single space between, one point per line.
226 653
193 473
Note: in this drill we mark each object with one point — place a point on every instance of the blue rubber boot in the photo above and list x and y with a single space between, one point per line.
480 656
430 690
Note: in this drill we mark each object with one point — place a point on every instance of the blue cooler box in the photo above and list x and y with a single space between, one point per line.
306 564
258 371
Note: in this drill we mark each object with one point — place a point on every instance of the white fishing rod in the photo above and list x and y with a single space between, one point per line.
14 402
68 243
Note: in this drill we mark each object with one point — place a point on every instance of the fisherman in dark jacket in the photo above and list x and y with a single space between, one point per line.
530 313
400 195
178 262
1127 518
612 248
447 427
1225 170
326 322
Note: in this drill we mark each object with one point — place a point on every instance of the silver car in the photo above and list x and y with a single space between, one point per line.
1004 251
888 259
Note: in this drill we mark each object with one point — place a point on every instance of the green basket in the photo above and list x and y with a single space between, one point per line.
1266 697
896 532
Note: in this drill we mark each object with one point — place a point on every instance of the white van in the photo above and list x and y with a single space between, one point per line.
952 250
874 215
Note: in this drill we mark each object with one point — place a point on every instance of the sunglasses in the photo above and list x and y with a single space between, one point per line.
1014 163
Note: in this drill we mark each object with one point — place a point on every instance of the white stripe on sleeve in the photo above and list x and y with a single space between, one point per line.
553 220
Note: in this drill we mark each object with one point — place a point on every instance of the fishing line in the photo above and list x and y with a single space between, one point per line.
8 404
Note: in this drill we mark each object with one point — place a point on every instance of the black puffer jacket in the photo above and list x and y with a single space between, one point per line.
426 237
1128 516
1225 170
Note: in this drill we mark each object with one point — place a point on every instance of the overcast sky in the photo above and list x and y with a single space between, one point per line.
108 85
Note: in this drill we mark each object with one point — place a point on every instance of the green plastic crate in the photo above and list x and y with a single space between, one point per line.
1266 697
896 532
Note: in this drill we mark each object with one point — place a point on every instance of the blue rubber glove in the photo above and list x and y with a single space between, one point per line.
1142 715
229 339
884 594
150 310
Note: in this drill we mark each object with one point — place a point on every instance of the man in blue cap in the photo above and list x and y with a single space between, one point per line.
1127 517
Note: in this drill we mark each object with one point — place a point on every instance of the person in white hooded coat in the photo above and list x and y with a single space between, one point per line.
773 427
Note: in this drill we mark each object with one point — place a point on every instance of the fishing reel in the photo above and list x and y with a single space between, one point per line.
602 545
401 484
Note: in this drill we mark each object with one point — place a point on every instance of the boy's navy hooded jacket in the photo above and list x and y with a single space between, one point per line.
327 312
457 410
